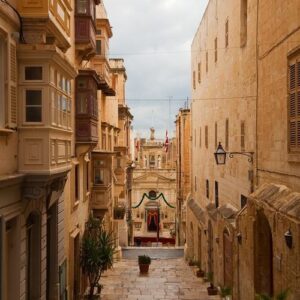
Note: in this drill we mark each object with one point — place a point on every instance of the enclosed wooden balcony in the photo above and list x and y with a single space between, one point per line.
102 179
85 37
46 21
85 27
87 83
107 81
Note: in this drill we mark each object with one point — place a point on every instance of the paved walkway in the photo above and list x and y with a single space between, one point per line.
169 279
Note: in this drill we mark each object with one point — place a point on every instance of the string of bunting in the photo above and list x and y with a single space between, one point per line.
153 199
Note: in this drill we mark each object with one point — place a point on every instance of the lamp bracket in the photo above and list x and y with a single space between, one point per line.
248 154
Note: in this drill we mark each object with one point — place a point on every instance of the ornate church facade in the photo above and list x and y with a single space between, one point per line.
153 208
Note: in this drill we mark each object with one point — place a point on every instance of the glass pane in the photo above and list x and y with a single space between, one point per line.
82 103
82 83
33 73
63 103
82 6
33 97
33 114
98 47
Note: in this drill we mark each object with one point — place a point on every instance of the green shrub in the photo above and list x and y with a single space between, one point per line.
144 260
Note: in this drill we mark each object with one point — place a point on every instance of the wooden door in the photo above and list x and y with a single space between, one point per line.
228 262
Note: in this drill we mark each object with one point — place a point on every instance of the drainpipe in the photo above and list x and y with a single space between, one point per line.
21 37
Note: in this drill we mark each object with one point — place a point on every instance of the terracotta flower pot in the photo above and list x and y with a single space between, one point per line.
200 273
144 268
212 290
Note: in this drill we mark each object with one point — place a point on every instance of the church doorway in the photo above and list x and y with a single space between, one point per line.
152 220
263 255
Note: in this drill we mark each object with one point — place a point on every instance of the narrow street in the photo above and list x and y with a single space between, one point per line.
167 279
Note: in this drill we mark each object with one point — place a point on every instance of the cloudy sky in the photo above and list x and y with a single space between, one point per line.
154 38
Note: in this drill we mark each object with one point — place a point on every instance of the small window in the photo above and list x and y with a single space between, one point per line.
206 136
33 73
216 135
195 183
194 80
98 31
207 188
216 49
226 134
199 72
216 194
243 136
243 201
98 47
226 34
200 137
244 21
152 194
33 106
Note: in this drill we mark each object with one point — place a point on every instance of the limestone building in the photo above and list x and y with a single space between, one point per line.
54 81
153 207
183 183
243 56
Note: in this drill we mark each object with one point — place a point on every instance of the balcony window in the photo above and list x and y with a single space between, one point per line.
82 102
86 7
99 172
98 47
82 6
86 97
33 106
60 95
34 73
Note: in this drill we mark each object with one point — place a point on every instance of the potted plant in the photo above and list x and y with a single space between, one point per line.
119 212
192 262
97 251
144 263
200 272
281 296
225 292
211 290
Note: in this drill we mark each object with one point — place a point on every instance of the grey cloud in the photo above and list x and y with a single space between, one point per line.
154 38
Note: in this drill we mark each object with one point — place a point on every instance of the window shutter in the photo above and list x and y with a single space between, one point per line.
298 105
12 90
1 256
294 106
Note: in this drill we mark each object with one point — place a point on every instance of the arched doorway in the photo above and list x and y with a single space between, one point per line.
210 248
227 257
152 219
263 255
33 256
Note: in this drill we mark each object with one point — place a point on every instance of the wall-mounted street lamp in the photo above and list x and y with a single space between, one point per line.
288 238
220 155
